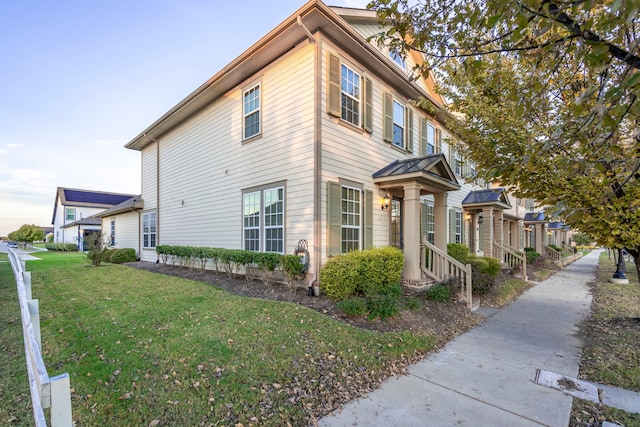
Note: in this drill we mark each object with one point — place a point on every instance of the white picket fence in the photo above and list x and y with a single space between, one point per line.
46 392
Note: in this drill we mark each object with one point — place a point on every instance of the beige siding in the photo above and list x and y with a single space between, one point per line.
149 167
205 165
127 230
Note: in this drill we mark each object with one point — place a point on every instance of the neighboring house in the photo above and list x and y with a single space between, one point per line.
312 133
74 211
121 224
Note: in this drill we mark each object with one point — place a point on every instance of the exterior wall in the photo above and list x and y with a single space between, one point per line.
205 165
127 230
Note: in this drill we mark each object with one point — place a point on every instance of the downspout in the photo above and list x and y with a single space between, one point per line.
317 162
157 196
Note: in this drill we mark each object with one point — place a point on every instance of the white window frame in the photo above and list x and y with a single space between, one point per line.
252 105
258 231
431 139
112 235
430 225
399 123
352 216
457 231
68 211
149 230
351 90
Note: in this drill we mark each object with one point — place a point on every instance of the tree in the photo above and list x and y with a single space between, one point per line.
96 248
582 239
27 234
544 95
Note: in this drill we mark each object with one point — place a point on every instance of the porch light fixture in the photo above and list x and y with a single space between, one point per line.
468 216
480 218
386 201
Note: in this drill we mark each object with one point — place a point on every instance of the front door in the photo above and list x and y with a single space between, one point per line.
396 223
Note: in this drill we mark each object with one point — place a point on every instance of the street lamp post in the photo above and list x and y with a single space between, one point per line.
619 277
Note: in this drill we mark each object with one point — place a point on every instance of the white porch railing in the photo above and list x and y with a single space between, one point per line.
46 392
552 253
510 257
438 265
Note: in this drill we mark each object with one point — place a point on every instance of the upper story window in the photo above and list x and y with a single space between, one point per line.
70 214
398 124
251 112
397 57
348 94
428 138
350 86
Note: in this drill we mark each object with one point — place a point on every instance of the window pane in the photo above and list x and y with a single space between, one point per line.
251 109
251 221
274 220
398 124
351 213
350 85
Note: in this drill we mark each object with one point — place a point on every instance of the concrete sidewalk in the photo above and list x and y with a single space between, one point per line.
486 377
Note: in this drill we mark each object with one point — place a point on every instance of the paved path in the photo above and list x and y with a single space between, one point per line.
486 376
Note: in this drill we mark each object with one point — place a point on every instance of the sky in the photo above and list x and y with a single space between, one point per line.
79 79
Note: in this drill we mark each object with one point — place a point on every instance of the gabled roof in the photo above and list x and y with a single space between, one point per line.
132 204
314 16
74 197
90 220
432 171
534 217
495 197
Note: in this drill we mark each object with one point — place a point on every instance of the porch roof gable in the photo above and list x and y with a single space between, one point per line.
494 197
433 172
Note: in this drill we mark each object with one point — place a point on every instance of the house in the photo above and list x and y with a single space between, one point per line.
313 133
74 213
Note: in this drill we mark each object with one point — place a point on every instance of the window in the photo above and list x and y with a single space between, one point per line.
70 214
149 230
398 124
396 223
428 222
456 162
397 57
351 218
350 86
458 227
251 112
112 235
263 220
428 138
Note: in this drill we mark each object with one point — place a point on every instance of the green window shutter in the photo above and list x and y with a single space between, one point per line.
368 105
388 118
409 130
423 136
335 92
452 226
368 219
334 220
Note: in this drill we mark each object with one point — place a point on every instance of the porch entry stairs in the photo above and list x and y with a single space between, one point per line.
438 265
552 253
511 258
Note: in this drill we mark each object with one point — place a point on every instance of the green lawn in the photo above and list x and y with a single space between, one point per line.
612 344
141 347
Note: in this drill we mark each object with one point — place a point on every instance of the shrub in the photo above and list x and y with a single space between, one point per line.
485 270
97 248
413 303
459 252
62 247
362 273
106 255
293 267
531 255
356 306
123 255
383 306
438 293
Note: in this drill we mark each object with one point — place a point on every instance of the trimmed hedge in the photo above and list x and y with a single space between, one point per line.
362 273
230 261
531 255
123 255
459 252
62 247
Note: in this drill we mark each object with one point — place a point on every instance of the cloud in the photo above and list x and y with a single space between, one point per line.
12 145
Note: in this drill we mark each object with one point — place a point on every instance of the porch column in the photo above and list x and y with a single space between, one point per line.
411 232
519 242
540 238
499 232
488 231
440 220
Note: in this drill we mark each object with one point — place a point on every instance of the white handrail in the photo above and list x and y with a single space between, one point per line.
439 265
511 257
46 392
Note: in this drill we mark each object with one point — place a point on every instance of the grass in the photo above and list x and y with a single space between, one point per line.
141 347
510 290
611 354
4 256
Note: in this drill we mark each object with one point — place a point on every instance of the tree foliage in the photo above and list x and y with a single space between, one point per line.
544 96
27 234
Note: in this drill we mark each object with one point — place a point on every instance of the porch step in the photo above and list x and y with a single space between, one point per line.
418 285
